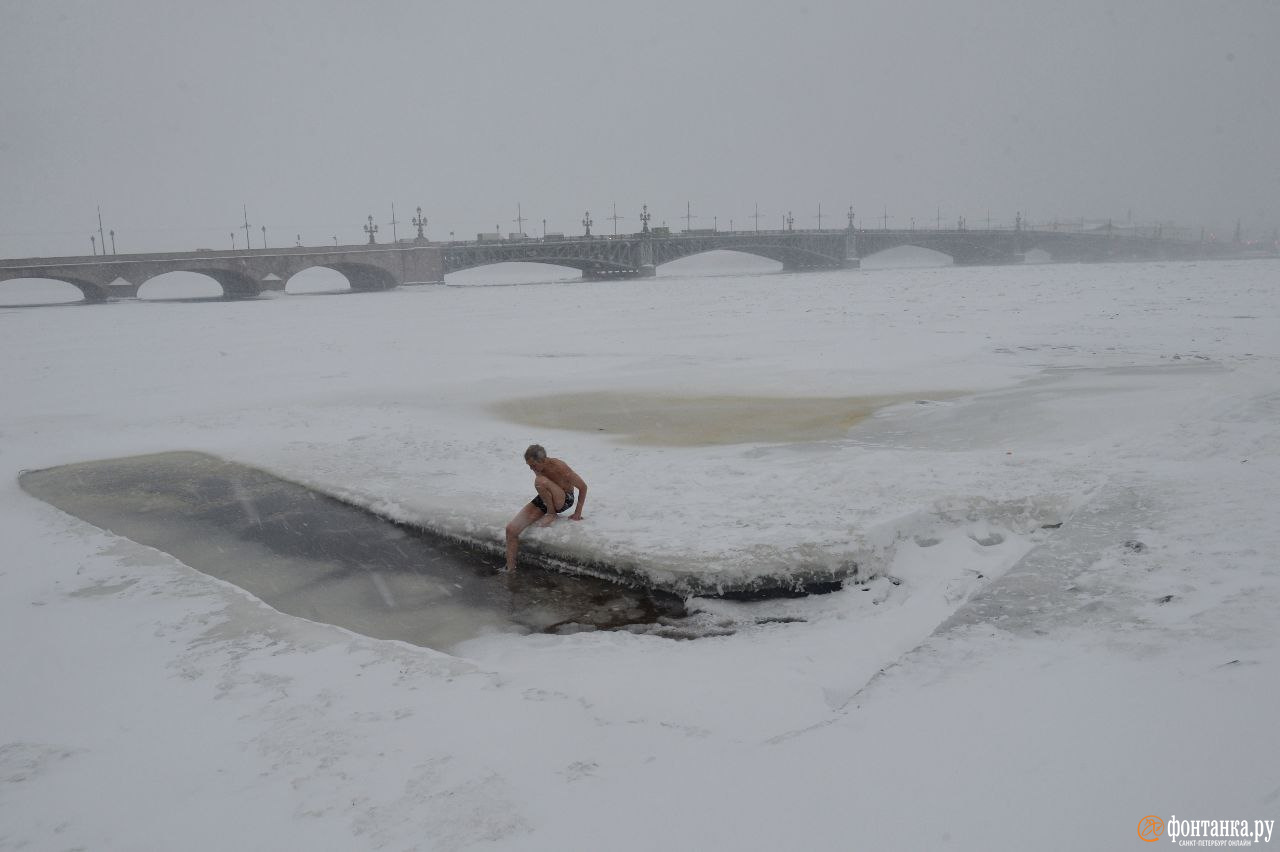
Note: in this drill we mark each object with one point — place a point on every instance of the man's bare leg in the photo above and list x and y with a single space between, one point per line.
519 524
552 495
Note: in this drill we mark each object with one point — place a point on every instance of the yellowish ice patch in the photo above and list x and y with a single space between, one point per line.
685 421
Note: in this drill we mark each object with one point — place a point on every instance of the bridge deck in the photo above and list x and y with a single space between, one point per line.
248 272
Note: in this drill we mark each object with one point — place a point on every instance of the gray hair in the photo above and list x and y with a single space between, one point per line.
536 452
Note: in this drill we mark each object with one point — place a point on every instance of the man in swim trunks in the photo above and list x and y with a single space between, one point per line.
555 482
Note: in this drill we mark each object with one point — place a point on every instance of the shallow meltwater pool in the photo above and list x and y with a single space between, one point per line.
688 421
313 556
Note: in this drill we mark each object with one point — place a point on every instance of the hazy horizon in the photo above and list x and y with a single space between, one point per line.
173 116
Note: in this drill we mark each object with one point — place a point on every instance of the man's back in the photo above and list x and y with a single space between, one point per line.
559 473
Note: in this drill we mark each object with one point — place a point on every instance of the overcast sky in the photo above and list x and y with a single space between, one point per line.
172 114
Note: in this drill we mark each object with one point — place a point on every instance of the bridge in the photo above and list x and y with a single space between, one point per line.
985 247
249 273
639 255
241 274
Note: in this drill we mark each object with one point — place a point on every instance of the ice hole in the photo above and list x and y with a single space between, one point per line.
312 556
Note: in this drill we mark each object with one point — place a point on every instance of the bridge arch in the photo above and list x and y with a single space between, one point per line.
906 255
512 272
17 292
197 284
586 265
314 280
795 251
361 277
724 261
965 248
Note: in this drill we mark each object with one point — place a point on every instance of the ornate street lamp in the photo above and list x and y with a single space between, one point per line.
371 229
420 222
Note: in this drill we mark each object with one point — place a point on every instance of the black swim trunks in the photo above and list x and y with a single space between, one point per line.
537 502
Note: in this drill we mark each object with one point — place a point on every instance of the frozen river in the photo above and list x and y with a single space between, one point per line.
1058 484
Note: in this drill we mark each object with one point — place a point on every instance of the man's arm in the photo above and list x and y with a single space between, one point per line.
580 485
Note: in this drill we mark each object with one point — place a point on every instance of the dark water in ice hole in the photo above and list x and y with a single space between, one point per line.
313 556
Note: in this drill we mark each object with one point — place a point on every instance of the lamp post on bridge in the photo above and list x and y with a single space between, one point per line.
93 243
420 223
851 218
264 236
113 241
233 240
371 229
587 223
791 222
645 216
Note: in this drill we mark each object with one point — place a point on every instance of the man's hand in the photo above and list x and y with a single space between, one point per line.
576 516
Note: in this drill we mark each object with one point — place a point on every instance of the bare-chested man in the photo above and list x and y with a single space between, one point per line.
555 482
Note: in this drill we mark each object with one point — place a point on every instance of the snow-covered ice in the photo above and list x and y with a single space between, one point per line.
1068 507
